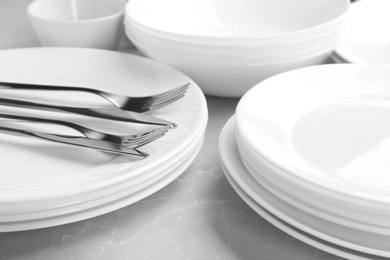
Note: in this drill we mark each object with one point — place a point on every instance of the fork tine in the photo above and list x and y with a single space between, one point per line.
141 142
173 92
143 104
168 96
162 104
172 96
151 136
158 104
146 141
169 99
154 132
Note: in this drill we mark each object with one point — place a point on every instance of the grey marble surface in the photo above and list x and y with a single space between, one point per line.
197 216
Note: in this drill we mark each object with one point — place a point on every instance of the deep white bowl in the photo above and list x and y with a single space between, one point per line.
233 22
257 56
230 79
278 48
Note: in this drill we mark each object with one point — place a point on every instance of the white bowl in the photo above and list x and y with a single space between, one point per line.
234 22
239 51
216 58
229 79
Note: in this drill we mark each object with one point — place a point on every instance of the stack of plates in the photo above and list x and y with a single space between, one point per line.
309 150
228 46
45 184
366 39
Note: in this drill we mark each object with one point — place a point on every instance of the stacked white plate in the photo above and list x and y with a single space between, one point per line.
46 184
366 39
228 46
309 150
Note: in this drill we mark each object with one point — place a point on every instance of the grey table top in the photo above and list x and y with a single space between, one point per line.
197 216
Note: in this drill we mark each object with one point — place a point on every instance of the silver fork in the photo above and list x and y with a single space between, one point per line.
111 113
136 104
133 141
96 144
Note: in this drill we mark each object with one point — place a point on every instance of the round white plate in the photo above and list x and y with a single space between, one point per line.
366 39
113 193
40 175
325 225
326 127
267 205
115 202
272 178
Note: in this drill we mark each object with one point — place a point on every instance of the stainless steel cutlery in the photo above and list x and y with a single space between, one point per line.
129 103
124 109
91 143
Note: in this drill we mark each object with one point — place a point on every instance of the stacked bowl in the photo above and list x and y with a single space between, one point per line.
229 46
309 149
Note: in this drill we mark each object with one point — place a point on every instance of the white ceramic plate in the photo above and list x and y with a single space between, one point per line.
272 179
40 175
366 39
326 128
132 185
113 193
325 225
267 205
101 206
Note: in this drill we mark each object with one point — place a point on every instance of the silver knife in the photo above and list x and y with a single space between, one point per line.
100 145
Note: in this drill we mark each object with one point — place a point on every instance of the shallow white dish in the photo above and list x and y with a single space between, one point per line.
366 39
54 176
272 178
359 236
127 188
326 126
282 215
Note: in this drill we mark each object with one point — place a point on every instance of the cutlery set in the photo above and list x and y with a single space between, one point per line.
123 108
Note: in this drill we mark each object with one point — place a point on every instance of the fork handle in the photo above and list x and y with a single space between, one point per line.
29 86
